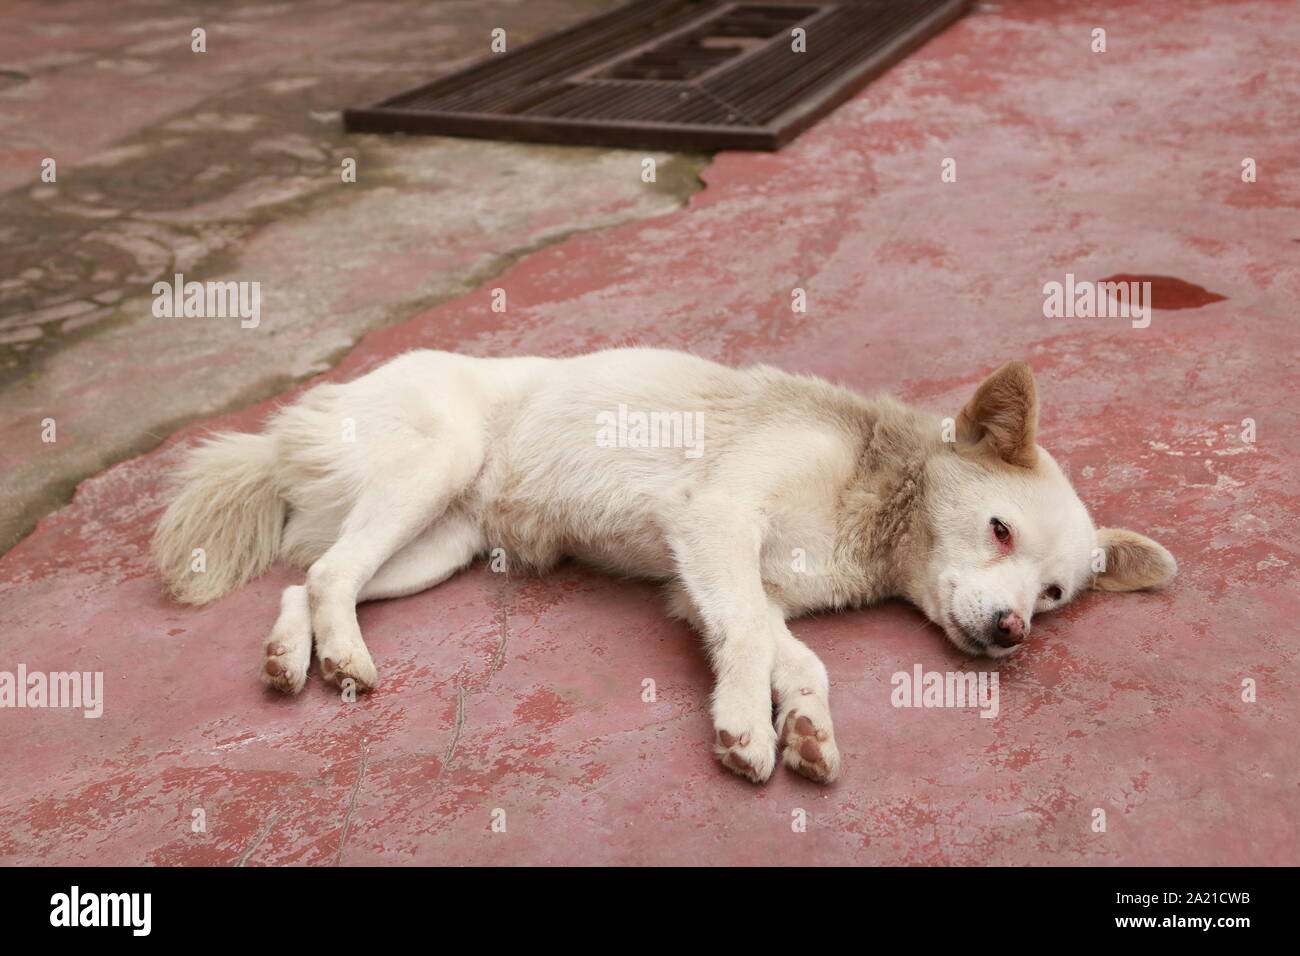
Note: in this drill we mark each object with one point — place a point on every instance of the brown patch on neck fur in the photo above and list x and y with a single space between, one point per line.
882 534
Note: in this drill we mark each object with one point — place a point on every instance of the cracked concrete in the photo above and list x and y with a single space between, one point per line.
252 848
352 802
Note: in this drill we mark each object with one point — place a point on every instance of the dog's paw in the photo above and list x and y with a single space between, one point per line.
286 655
283 669
808 741
751 753
354 664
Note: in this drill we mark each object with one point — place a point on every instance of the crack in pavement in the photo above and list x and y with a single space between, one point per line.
498 655
352 802
503 624
455 730
266 830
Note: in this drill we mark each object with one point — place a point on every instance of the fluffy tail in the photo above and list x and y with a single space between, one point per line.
223 525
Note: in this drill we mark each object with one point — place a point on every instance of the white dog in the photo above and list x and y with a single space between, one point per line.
755 494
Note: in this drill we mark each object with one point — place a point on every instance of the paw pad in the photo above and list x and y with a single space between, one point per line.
280 672
802 740
739 764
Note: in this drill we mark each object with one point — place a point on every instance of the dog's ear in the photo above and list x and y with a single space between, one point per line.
1133 561
1003 415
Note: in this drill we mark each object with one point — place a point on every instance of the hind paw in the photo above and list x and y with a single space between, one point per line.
282 670
286 654
353 665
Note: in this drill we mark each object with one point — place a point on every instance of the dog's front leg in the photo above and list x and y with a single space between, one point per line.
802 691
717 548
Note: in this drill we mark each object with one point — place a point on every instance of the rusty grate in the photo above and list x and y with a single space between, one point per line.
672 74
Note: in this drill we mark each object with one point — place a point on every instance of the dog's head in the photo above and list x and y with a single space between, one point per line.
1011 539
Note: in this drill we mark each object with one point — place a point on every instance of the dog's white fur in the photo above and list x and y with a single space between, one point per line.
805 496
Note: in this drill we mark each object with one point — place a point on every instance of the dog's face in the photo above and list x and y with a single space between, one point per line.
1010 538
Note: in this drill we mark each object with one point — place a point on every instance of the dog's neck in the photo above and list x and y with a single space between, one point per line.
883 533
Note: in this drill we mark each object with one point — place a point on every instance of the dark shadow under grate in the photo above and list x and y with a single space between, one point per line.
672 74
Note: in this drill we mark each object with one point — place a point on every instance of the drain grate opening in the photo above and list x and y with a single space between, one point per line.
672 74
707 45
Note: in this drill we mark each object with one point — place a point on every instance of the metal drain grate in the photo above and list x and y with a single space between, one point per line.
672 74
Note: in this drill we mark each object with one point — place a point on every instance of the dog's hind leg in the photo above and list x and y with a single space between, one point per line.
427 561
288 647
803 716
405 495
430 559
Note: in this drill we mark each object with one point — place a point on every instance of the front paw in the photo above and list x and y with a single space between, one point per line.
750 753
809 741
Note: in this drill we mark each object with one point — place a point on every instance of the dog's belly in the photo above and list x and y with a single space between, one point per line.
536 534
639 555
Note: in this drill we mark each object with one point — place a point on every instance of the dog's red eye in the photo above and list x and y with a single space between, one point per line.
1001 532
1052 593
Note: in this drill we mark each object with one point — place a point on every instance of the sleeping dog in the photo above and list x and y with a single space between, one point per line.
755 496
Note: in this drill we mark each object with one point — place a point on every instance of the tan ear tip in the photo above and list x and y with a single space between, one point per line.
1019 368
1160 570
1166 563
1170 567
1140 563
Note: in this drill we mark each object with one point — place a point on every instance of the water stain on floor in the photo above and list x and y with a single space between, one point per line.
1168 292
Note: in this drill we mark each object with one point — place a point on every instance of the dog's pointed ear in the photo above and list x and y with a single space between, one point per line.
1003 415
1131 561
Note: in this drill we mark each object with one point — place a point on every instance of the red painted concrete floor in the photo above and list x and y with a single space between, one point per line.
522 700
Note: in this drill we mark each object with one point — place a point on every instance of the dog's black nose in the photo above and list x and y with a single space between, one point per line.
1009 629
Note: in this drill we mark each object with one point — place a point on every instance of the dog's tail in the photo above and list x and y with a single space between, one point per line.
224 522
